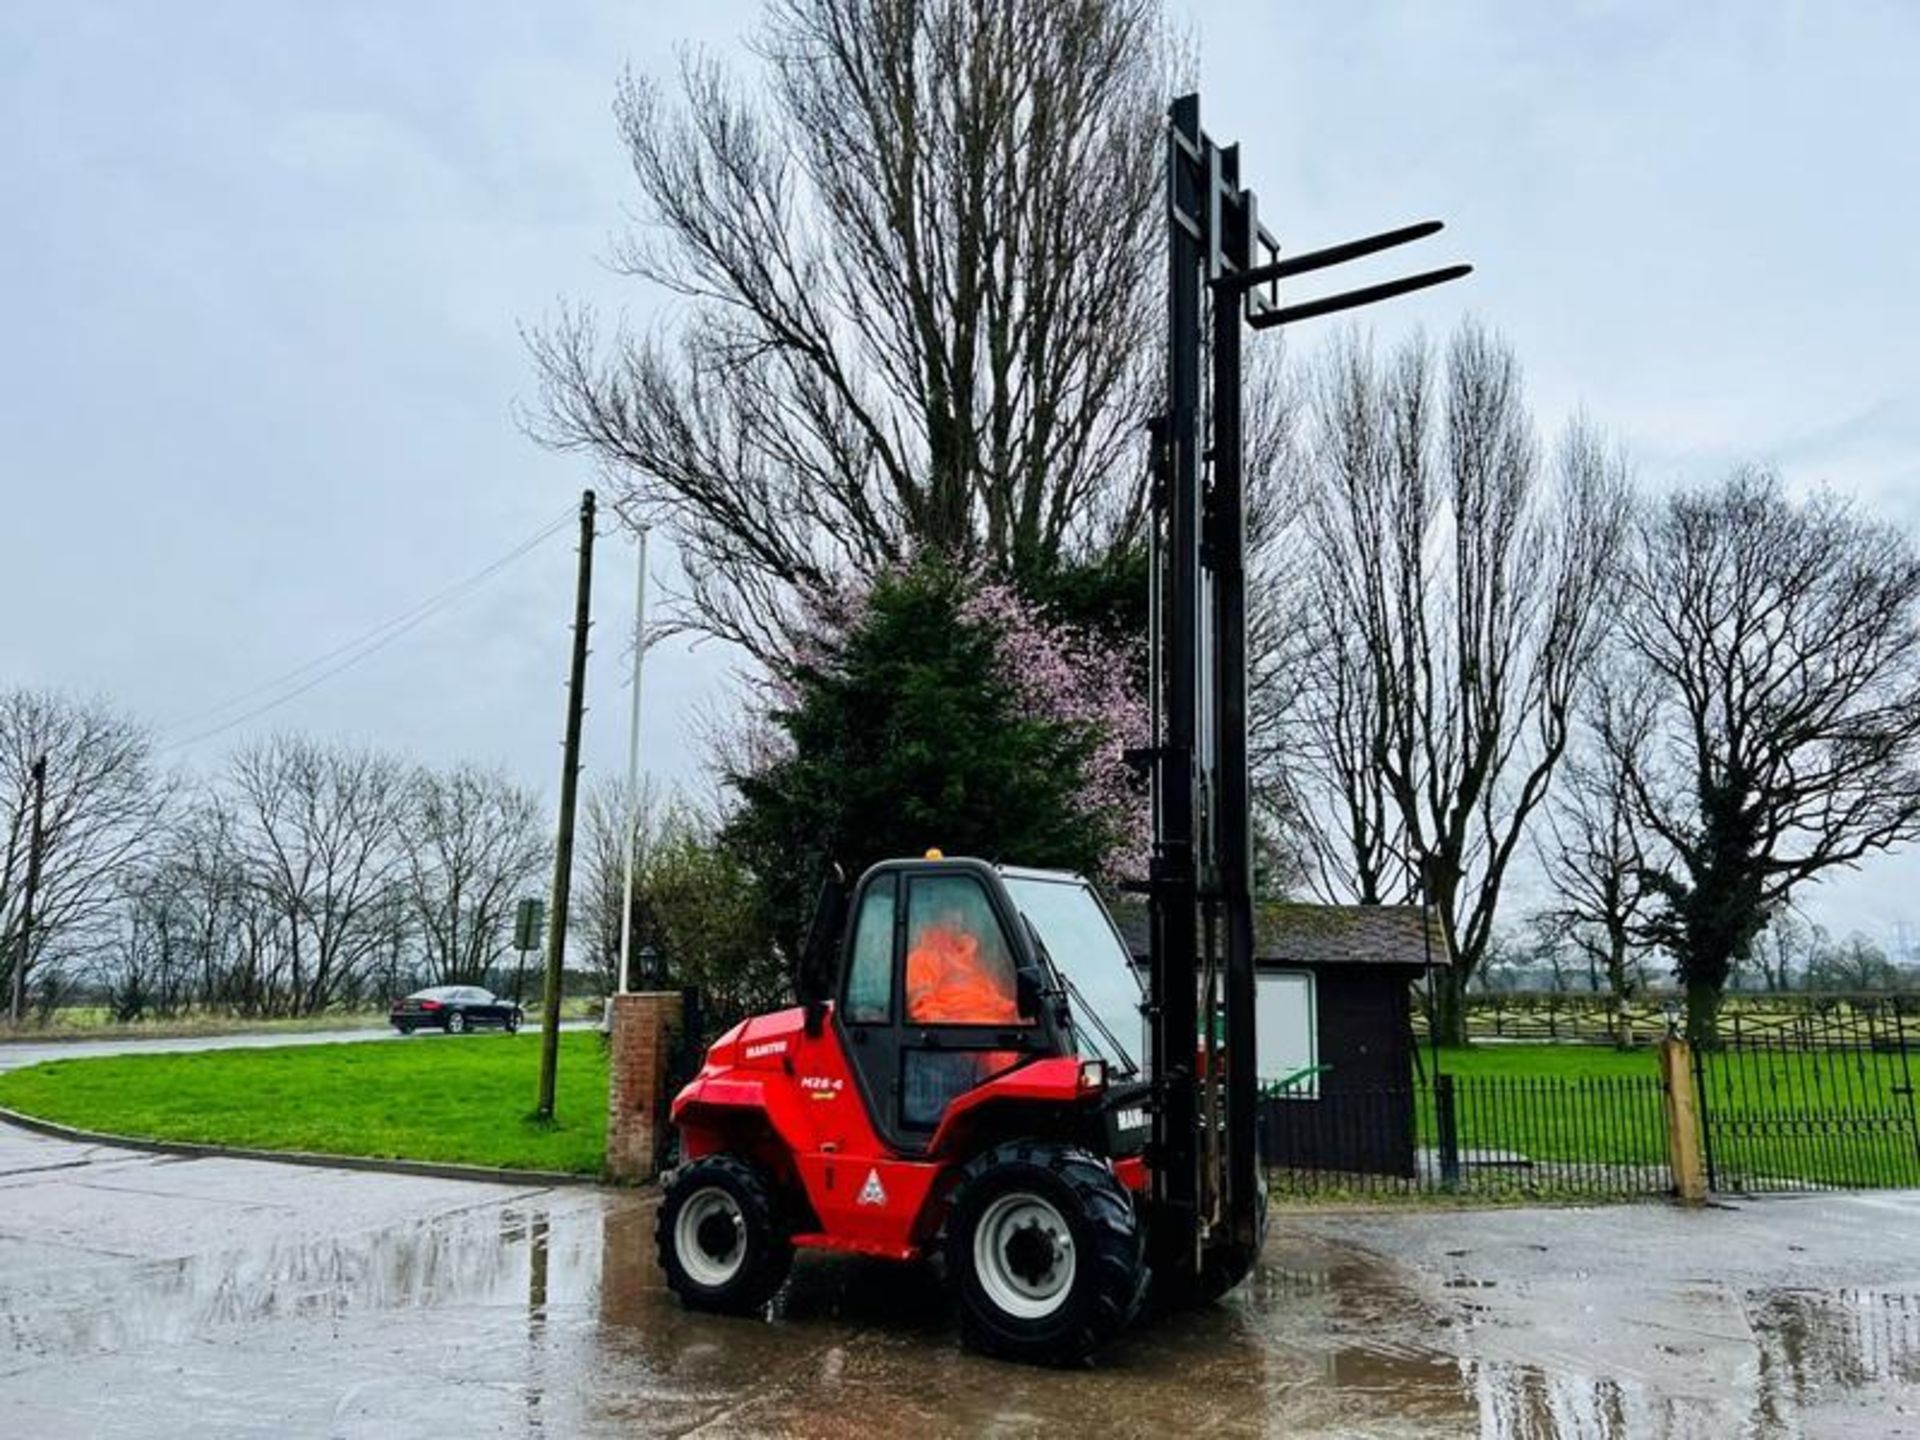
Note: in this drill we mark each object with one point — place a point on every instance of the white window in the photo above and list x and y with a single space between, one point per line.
1289 1035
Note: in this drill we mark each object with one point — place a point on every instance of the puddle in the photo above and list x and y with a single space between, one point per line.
551 1316
1835 1346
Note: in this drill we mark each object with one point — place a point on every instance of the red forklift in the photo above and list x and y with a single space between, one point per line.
976 1073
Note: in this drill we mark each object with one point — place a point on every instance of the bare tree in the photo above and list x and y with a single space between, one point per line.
319 827
318 876
1320 775
919 272
1546 944
1853 966
603 861
1506 965
103 805
208 880
199 899
1461 588
148 966
473 841
695 907
1784 639
1594 851
1784 950
1298 720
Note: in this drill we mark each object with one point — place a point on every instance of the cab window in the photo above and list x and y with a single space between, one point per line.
870 975
960 969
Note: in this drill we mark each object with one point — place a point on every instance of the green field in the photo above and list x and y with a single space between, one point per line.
1568 1105
1534 1062
466 1099
96 1022
1843 1117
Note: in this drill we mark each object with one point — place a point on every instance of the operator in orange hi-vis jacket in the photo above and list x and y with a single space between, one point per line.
951 982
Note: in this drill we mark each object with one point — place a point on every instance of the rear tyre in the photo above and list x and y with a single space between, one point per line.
404 1029
719 1236
456 1024
1046 1250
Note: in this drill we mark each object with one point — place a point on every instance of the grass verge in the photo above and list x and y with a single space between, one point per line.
460 1099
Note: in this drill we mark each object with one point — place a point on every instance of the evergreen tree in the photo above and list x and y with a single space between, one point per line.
935 711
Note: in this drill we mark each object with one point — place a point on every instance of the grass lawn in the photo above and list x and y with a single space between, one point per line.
456 1098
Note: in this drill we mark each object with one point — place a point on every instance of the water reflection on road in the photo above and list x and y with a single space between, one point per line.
549 1315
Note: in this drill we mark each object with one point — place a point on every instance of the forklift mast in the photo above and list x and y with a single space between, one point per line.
1223 269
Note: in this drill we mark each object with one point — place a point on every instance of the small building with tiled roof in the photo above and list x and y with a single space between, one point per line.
1334 1021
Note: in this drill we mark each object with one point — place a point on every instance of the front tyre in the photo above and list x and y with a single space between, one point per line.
719 1236
513 1022
1047 1252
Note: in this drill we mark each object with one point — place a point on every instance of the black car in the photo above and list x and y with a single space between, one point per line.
454 1009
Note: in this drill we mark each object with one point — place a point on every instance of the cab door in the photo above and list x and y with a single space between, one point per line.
933 1002
864 1010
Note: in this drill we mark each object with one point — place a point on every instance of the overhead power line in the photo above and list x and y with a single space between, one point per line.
304 677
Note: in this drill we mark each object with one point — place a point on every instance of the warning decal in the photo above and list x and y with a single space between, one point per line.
872 1193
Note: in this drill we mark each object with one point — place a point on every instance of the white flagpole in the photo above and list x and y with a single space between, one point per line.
633 768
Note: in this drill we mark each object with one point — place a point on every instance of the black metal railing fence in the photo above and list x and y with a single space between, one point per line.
1824 1102
1601 1136
1808 1096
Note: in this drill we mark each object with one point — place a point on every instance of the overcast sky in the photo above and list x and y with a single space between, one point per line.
262 268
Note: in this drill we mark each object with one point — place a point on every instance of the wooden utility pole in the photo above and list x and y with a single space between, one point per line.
36 842
569 793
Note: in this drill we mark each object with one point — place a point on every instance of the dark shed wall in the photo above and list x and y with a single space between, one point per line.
1363 1120
1368 1041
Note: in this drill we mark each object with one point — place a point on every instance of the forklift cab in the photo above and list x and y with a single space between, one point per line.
948 975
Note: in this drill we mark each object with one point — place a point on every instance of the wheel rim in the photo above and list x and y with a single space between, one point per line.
710 1237
1023 1255
457 1024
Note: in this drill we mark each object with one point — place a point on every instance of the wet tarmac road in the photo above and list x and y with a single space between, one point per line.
144 1295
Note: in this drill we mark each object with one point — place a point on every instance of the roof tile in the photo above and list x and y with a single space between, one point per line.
1289 933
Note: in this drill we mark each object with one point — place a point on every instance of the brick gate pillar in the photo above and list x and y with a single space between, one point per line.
643 1029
